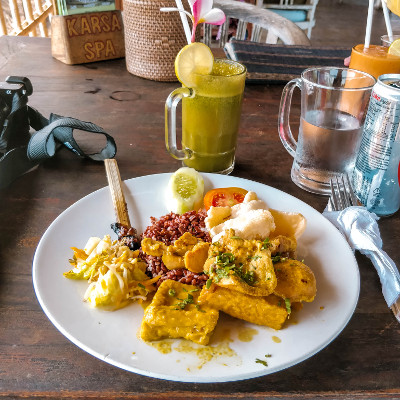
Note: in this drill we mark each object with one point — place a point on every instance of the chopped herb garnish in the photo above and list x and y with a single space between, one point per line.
265 244
225 259
254 258
171 292
288 306
236 237
198 308
141 286
276 259
185 302
225 266
208 283
263 362
247 276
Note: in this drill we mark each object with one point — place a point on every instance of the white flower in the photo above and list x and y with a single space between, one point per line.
202 11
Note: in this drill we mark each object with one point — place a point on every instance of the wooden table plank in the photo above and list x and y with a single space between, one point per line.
37 361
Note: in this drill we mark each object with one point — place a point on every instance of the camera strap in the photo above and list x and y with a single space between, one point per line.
24 151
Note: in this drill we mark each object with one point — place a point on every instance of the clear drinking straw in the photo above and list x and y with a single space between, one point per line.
387 20
184 20
369 24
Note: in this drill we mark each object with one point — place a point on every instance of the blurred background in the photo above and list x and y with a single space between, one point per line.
343 23
337 22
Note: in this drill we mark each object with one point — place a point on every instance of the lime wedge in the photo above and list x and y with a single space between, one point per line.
195 58
185 191
394 48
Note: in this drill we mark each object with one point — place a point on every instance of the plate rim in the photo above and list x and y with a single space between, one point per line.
190 378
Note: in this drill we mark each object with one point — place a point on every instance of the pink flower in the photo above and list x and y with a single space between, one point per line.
202 12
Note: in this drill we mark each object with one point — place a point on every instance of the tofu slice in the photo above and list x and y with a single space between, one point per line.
175 313
241 265
267 311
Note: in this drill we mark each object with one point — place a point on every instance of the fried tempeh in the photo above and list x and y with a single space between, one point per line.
186 252
296 281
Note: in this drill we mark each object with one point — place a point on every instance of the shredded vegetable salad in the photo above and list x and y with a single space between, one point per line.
116 275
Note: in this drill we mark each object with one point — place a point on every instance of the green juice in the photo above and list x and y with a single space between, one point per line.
210 119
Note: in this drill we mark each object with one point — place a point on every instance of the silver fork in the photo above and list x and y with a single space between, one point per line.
342 194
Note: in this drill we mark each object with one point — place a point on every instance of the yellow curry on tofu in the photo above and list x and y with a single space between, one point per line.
257 280
249 271
244 282
176 313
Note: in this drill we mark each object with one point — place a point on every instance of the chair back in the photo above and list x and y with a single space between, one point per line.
301 12
253 23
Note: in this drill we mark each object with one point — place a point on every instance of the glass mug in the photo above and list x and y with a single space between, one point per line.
334 103
210 118
386 42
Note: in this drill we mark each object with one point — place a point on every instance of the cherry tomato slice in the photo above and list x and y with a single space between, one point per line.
224 197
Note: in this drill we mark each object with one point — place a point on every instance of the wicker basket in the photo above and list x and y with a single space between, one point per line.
152 38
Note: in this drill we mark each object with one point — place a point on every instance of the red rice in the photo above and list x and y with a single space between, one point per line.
167 229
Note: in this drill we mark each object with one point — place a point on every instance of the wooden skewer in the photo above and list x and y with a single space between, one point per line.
118 199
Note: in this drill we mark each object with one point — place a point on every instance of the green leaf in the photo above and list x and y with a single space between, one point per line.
263 362
288 306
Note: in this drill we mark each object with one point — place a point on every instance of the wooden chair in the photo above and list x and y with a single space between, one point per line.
301 12
254 23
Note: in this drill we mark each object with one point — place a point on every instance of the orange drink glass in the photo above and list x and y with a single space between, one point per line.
374 60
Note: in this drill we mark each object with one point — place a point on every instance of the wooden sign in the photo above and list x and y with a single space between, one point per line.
84 38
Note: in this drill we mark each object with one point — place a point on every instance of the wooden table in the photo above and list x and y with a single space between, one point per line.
37 361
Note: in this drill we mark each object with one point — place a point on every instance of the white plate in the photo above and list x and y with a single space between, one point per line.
112 336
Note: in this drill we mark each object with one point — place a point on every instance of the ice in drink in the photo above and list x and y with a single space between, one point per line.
327 145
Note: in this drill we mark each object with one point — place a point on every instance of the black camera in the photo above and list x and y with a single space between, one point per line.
14 93
11 86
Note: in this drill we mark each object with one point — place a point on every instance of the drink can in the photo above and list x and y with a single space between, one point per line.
376 172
